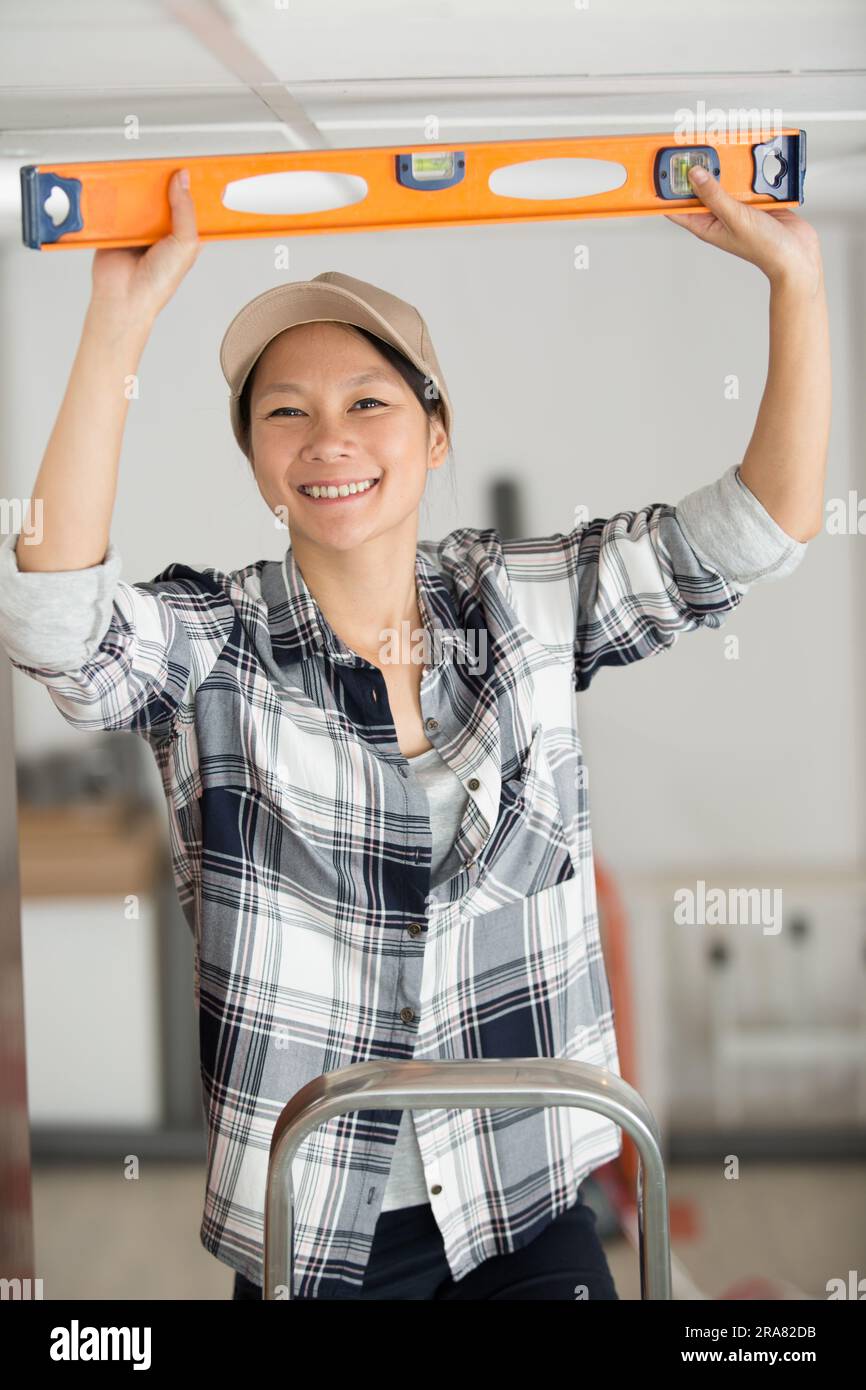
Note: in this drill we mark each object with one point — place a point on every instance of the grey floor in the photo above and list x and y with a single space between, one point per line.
100 1236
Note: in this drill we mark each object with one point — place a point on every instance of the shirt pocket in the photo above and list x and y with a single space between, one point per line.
527 851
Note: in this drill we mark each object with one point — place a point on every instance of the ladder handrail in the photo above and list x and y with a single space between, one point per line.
472 1083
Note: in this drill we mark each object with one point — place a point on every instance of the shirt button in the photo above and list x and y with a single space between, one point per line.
431 723
436 1189
473 784
407 1015
414 928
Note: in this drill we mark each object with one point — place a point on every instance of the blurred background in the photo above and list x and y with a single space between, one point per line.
603 386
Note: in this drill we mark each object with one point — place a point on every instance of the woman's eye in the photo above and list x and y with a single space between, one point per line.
283 408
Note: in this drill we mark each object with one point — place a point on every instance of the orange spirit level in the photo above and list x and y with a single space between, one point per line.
382 188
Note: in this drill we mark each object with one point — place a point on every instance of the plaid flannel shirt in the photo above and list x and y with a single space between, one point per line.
300 843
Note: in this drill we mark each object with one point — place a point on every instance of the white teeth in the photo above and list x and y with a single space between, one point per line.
344 490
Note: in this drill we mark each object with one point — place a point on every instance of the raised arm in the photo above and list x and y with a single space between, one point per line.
112 655
785 463
77 482
615 590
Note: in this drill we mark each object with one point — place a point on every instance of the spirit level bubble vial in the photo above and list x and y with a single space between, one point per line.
424 169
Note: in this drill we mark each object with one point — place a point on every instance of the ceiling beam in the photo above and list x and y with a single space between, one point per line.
206 22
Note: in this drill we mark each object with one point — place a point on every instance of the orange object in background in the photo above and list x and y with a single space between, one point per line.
613 928
621 1173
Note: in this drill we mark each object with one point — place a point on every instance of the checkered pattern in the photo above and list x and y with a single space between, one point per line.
301 847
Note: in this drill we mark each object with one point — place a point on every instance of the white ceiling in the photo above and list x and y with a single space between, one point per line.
208 77
141 43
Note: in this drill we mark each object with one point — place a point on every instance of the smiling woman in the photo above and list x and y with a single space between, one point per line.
346 903
417 381
341 443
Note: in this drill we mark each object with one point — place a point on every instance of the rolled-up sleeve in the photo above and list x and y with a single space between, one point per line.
54 619
112 655
733 532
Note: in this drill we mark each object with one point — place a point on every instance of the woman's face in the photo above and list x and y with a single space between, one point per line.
310 423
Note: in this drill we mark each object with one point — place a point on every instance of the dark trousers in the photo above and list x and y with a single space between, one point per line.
407 1261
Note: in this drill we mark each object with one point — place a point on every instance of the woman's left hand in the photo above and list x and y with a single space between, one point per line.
777 240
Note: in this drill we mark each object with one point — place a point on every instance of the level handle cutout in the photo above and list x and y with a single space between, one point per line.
551 179
294 192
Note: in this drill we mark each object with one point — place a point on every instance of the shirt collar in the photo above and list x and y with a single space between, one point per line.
298 628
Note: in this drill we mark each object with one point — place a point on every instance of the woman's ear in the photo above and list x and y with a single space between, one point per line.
438 437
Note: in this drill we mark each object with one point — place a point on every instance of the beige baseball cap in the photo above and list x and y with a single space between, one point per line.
334 296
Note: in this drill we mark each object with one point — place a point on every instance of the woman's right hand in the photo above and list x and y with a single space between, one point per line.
138 281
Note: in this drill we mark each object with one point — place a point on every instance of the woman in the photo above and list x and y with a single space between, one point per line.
382 847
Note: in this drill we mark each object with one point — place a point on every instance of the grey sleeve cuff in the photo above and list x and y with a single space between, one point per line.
54 619
729 529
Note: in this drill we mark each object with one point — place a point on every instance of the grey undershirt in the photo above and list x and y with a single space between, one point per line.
406 1186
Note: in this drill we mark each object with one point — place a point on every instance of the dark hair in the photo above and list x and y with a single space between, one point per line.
417 382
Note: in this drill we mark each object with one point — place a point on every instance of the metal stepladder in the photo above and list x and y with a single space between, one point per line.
467 1084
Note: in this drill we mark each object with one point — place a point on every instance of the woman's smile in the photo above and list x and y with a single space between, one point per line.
335 493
